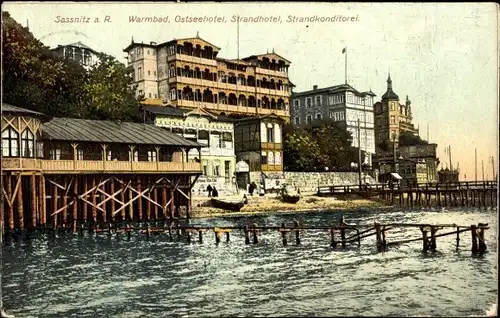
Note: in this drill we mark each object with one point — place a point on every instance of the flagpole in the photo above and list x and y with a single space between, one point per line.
345 50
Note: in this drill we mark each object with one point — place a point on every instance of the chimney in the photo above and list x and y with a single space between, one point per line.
315 87
152 43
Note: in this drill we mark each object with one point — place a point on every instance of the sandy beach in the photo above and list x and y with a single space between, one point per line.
272 203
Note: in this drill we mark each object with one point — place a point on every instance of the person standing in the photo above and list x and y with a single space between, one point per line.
209 189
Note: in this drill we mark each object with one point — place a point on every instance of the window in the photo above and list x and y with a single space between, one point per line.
156 95
148 51
270 134
108 156
139 73
10 143
39 150
216 168
318 116
297 120
263 158
308 119
393 119
309 102
172 71
296 104
318 100
154 73
27 144
55 153
172 94
79 154
277 158
330 100
205 167
270 158
152 156
171 50
149 95
149 73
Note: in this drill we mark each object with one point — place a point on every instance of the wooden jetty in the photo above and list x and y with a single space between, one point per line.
339 235
65 172
452 194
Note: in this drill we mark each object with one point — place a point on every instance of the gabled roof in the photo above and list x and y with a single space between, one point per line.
260 117
271 56
103 131
330 89
78 45
181 112
8 109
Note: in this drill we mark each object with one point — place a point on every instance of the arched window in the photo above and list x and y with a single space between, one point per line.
172 70
270 158
173 94
10 143
27 144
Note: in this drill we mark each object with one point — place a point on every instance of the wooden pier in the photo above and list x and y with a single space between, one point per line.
457 194
337 236
67 173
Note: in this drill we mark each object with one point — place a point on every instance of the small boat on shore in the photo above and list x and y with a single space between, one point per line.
227 204
290 198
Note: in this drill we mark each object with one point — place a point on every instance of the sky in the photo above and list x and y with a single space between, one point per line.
443 56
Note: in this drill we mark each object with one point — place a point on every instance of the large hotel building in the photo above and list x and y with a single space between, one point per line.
253 92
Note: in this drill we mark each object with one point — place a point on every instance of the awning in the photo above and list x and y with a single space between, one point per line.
396 176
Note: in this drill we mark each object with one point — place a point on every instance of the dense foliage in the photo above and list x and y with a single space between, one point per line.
315 147
38 79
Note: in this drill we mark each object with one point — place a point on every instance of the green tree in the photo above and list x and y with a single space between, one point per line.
300 150
334 143
108 92
409 139
36 78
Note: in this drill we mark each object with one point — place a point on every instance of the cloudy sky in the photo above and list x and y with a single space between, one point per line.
443 56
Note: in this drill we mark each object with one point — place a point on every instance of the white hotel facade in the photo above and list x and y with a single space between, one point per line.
342 104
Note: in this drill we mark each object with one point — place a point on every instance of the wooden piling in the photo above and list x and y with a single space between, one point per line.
255 236
473 232
200 236
55 198
433 238
283 234
247 235
481 239
148 203
227 236
333 243
10 196
139 200
75 201
458 236
155 208
94 201
297 232
122 199
20 207
425 239
64 195
114 217
378 236
33 203
217 237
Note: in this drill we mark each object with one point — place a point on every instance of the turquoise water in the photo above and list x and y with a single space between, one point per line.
116 277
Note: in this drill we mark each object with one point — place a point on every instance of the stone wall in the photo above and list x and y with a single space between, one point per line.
309 181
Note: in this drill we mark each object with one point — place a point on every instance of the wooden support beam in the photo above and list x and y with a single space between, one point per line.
55 197
75 203
148 203
43 200
155 199
112 190
84 197
94 202
20 205
33 202
139 201
8 196
164 199
65 200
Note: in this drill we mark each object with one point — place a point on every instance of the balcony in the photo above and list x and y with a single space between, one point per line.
192 59
266 168
98 166
271 146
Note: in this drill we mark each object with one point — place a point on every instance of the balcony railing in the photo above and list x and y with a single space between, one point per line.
69 166
272 168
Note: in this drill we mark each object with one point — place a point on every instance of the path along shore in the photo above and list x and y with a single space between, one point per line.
271 203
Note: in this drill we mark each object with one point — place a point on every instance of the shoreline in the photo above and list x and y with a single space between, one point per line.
308 203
